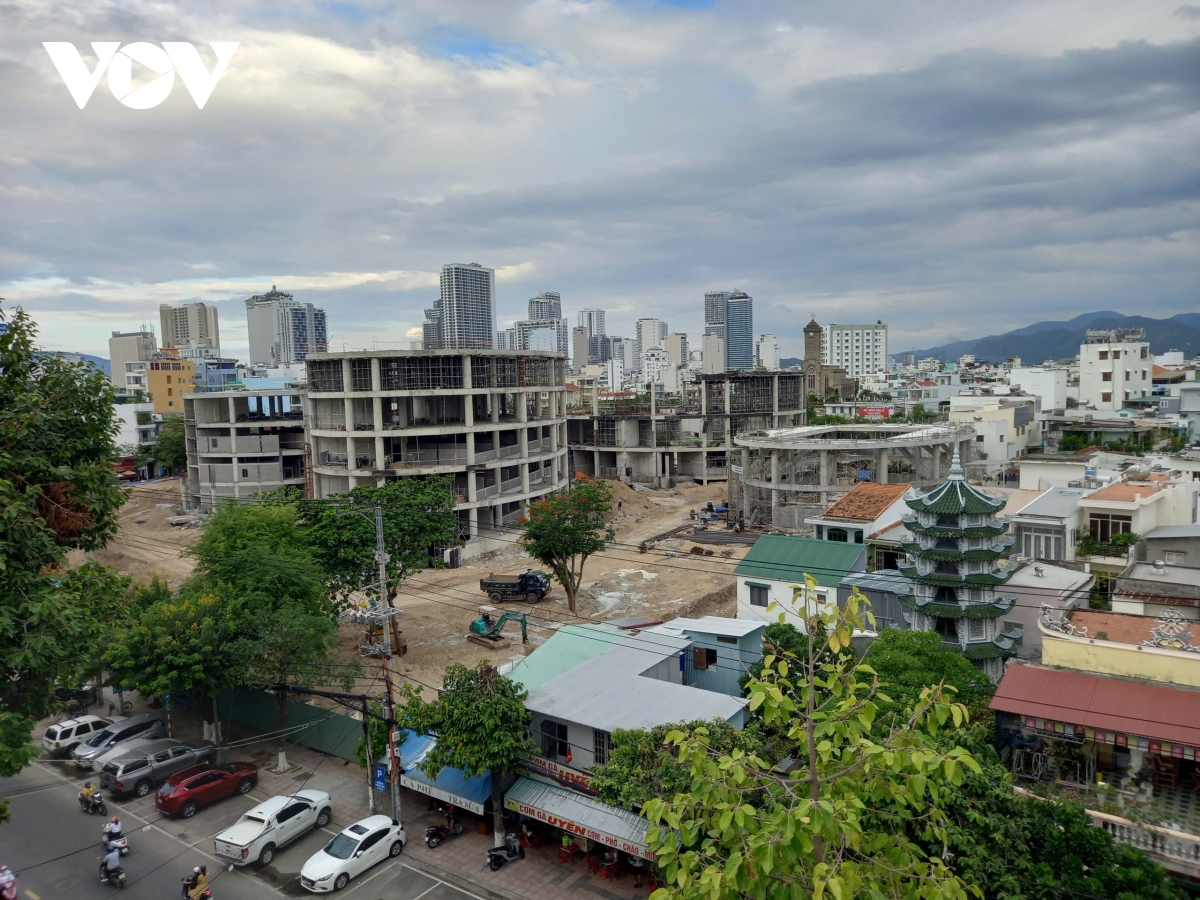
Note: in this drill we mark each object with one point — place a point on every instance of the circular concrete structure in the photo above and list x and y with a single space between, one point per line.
787 473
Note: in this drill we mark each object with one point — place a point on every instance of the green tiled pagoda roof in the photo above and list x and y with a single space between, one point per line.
953 531
955 497
996 608
951 555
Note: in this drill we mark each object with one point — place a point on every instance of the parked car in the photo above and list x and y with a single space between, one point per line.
185 792
138 770
62 737
146 725
353 851
272 825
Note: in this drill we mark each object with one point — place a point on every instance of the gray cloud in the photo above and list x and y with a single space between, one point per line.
948 188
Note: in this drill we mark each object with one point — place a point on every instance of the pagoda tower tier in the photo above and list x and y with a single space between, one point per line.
957 561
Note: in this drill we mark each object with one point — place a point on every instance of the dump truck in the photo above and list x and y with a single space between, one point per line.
530 586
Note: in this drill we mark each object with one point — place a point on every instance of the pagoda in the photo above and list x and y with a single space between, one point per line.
957 563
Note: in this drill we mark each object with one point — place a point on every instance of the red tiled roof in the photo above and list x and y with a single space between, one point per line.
927 383
867 501
1111 704
1118 627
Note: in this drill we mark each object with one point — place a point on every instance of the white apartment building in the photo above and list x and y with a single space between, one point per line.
649 334
464 316
766 351
1050 385
655 363
1115 367
282 330
858 349
712 354
592 320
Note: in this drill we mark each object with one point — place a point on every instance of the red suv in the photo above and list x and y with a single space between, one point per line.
185 792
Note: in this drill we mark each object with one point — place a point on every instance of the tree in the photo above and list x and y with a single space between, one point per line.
418 516
566 528
170 448
907 662
188 642
744 829
643 764
58 492
481 726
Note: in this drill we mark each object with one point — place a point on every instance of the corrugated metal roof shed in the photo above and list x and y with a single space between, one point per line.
564 804
782 557
717 625
880 580
1152 711
570 646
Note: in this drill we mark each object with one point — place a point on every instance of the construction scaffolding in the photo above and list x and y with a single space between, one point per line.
778 477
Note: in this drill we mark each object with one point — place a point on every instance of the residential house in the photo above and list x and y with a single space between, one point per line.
1175 545
862 512
1138 506
1154 588
1037 583
1048 528
1004 426
769 575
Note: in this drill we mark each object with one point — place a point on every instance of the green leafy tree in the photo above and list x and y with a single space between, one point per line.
643 764
907 662
418 515
262 553
564 529
481 726
186 642
744 829
170 448
58 492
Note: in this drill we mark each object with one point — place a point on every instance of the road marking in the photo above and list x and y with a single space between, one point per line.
32 896
448 884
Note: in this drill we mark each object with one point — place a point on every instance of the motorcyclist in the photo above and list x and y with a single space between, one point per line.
8 883
110 863
189 882
201 873
113 829
91 795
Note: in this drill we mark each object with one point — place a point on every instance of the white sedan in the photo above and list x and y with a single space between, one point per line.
353 851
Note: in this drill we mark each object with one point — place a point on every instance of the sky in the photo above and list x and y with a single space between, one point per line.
952 168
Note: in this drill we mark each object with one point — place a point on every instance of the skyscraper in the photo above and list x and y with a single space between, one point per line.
592 320
544 306
649 334
716 312
464 316
189 324
282 330
739 331
676 346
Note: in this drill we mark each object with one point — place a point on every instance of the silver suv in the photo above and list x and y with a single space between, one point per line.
146 725
62 737
150 763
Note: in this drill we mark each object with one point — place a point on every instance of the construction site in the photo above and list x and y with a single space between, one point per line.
781 476
642 440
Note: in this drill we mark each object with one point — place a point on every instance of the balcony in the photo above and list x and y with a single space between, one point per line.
486 491
511 485
1177 850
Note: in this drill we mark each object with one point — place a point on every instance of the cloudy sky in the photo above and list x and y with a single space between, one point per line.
954 168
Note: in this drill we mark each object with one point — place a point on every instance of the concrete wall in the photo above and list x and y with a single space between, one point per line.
780 600
1129 660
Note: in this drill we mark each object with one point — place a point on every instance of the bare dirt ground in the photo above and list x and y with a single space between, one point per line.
439 605
146 544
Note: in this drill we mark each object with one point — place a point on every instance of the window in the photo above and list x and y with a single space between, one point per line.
168 379
371 841
837 534
1126 374
1106 397
1104 354
292 809
760 595
245 473
1103 526
162 755
170 391
721 639
1106 376
214 442
947 628
180 751
554 739
975 629
979 438
1145 352
704 657
601 746
1174 558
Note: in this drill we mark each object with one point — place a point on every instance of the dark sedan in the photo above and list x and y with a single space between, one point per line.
185 792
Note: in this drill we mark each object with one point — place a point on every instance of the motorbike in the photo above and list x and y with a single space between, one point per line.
8 884
510 850
435 834
95 805
115 877
117 839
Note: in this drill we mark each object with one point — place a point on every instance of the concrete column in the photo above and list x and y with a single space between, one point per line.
472 490
745 472
473 520
232 428
774 481
825 476
466 366
881 465
470 448
523 405
775 400
495 406
596 463
376 377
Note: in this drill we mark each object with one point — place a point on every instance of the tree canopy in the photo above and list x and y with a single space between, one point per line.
418 516
480 722
58 492
170 449
565 528
744 829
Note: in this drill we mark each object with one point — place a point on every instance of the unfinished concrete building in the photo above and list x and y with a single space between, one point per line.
492 420
640 439
786 474
242 443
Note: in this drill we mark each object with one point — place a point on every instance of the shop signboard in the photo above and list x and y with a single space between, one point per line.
429 790
567 776
874 412
600 837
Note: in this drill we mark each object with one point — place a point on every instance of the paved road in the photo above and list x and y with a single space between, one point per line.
55 848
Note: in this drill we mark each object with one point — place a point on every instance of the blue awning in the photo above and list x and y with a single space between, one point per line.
469 792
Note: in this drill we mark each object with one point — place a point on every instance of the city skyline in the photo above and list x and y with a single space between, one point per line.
1017 164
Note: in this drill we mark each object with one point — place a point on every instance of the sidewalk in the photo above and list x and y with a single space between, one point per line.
461 861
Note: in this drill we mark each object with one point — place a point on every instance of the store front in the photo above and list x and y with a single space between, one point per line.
469 792
579 816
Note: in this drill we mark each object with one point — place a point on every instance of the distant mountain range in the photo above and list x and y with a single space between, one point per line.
1041 341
